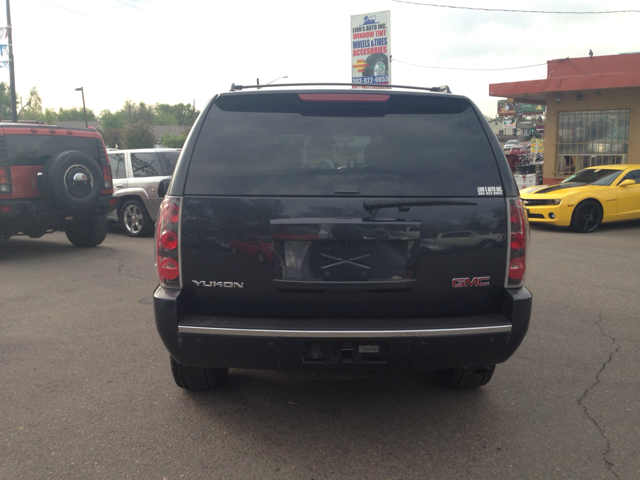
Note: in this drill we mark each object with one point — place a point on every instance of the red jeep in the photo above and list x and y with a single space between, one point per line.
54 179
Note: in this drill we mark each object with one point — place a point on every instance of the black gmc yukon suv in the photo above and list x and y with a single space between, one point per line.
341 232
54 179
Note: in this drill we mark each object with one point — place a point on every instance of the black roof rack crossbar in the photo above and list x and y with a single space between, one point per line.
441 89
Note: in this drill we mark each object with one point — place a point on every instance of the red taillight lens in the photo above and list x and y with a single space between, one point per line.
169 240
168 243
108 180
519 231
5 180
517 241
517 268
168 269
171 214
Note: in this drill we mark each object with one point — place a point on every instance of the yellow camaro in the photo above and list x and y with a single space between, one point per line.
595 195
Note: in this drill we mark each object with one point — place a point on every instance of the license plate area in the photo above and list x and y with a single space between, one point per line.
345 352
336 253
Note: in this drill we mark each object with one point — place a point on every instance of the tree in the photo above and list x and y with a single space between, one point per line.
165 114
5 101
32 109
137 135
185 114
50 116
112 120
75 114
169 140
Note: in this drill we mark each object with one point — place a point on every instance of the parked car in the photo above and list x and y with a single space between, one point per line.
350 291
258 246
587 198
511 144
54 179
140 179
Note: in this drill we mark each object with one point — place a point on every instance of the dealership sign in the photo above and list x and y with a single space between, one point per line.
509 108
370 49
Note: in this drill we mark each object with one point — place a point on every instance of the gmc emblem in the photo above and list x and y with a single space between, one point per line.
470 282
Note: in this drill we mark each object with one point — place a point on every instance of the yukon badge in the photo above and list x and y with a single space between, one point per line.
203 283
470 282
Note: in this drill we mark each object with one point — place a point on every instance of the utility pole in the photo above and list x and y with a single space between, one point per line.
12 75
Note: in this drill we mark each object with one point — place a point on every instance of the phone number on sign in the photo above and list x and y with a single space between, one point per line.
370 80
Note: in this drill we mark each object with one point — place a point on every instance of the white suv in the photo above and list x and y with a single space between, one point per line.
140 178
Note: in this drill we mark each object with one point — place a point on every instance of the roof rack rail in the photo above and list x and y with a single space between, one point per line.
441 89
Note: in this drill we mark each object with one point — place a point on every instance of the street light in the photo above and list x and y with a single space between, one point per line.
86 122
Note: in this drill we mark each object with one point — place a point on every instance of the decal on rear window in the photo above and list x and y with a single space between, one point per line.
489 190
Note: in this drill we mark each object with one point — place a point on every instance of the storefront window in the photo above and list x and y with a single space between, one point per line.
590 138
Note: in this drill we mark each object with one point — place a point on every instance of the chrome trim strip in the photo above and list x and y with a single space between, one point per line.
435 332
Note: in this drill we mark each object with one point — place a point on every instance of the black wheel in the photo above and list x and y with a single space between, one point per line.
73 180
587 217
378 65
88 233
197 378
135 220
261 257
472 377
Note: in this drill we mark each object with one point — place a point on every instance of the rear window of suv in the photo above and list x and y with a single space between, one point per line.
290 144
36 150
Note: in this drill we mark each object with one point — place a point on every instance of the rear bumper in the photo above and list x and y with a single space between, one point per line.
27 215
346 346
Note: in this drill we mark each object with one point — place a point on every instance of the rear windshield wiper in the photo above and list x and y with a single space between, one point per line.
404 206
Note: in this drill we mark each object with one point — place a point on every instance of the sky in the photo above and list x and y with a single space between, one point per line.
163 51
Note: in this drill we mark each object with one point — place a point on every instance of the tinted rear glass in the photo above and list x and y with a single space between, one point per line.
33 150
277 144
170 158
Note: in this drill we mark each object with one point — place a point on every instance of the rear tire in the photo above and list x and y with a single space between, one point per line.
472 377
135 219
88 233
73 180
197 378
587 217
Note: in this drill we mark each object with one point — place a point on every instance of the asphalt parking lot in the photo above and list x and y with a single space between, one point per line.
86 389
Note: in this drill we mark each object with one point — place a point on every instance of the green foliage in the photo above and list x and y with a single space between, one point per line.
75 114
112 120
5 101
137 135
163 118
32 108
169 140
111 136
50 116
133 113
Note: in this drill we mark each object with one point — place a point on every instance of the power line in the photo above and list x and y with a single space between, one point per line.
394 59
68 10
515 11
134 6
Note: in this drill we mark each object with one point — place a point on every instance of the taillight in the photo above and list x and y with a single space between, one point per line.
5 180
167 243
108 180
519 233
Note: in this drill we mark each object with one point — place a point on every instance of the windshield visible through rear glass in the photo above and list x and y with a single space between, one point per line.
277 144
599 176
36 150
